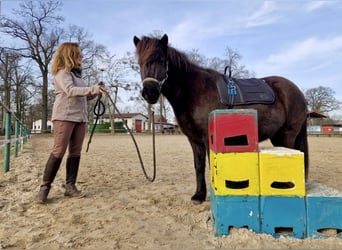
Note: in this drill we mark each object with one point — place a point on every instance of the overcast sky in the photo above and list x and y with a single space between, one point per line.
298 39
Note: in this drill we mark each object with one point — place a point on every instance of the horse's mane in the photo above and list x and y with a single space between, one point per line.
178 59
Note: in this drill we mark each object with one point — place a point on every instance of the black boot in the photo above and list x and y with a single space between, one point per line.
50 171
72 165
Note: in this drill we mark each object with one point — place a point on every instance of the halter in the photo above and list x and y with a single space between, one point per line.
160 83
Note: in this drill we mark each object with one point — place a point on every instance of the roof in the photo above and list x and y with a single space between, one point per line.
131 115
157 119
124 115
128 115
313 114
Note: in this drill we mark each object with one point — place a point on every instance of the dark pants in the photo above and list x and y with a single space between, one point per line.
70 134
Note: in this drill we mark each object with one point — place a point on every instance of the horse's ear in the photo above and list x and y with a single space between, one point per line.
136 40
164 40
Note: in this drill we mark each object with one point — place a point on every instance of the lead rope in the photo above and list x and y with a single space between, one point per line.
100 103
99 110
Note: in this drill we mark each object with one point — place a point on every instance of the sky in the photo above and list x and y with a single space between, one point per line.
297 39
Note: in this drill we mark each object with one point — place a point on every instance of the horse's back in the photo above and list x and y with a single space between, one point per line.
286 115
287 92
283 85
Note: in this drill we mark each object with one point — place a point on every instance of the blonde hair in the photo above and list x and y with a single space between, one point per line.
65 57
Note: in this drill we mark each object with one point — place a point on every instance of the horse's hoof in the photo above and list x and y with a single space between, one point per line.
196 202
197 199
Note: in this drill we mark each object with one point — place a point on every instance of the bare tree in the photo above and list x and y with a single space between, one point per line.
217 64
196 57
38 30
129 60
232 58
24 91
322 100
16 91
114 76
8 63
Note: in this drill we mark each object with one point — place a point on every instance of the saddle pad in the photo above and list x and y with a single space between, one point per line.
246 91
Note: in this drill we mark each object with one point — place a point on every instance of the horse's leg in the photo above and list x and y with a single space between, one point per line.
301 144
199 153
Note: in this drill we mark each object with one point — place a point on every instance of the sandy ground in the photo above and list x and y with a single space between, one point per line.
122 210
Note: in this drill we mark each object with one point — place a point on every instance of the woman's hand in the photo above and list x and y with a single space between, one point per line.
102 88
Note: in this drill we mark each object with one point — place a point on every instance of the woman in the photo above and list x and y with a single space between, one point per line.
69 117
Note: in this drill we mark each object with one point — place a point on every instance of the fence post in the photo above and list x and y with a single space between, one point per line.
8 141
23 135
16 143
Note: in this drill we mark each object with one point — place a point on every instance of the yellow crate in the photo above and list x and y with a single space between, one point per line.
281 172
213 167
234 173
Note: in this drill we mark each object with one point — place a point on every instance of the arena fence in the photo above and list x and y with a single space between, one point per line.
325 134
16 135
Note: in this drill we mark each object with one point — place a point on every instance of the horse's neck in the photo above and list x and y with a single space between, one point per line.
181 90
190 85
178 87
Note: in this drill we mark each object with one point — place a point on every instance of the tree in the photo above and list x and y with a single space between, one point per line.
322 100
114 71
196 57
232 60
129 60
39 33
8 61
23 91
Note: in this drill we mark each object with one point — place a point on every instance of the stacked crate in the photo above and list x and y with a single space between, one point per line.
260 189
282 192
324 211
234 171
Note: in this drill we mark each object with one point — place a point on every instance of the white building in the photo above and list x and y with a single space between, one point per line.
137 122
37 126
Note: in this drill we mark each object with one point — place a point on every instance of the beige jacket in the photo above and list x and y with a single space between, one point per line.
71 97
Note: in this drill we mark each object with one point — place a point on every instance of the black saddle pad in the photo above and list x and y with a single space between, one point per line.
235 91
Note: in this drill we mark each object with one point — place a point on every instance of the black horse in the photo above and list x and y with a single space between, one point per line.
193 94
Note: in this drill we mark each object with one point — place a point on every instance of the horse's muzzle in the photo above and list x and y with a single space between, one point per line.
150 92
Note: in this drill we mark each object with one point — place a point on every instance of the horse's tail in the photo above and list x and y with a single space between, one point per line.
301 144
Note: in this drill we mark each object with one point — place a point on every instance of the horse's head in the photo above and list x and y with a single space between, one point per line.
152 59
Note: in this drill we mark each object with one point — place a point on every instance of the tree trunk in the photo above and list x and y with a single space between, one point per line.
45 102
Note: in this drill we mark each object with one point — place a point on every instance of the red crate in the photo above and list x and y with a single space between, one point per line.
233 130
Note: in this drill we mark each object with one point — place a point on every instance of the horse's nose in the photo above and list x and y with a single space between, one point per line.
151 95
144 95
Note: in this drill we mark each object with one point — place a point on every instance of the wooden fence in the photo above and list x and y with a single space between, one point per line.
16 135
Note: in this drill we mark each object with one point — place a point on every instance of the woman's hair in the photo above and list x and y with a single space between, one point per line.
65 57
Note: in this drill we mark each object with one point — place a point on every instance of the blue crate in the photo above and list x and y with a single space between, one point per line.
234 211
283 216
324 213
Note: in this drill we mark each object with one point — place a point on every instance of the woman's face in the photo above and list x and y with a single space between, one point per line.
79 57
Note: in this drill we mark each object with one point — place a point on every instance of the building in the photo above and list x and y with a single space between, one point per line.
138 122
37 126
